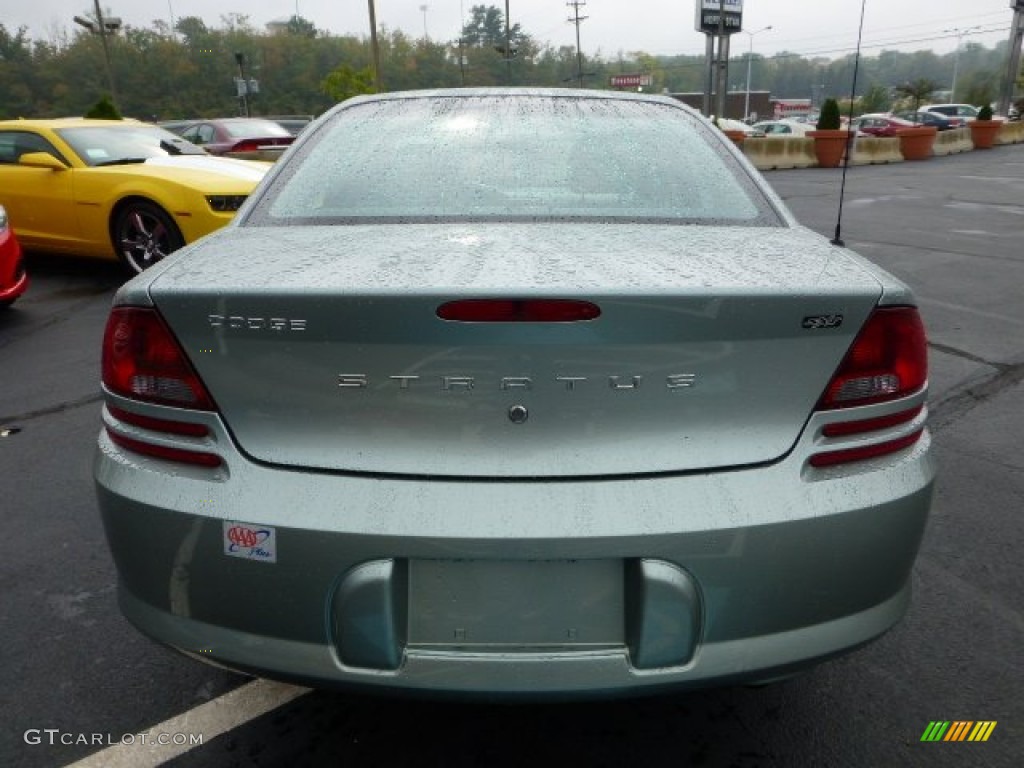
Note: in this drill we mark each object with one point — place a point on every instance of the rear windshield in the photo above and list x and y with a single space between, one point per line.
513 157
241 129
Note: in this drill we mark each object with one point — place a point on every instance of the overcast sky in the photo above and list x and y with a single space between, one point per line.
823 27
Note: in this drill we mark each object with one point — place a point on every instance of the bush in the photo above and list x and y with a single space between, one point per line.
104 109
985 113
829 118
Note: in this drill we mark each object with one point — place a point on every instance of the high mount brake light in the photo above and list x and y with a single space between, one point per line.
143 361
518 311
887 361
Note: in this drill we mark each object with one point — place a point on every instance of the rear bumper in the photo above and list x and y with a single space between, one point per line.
698 579
15 289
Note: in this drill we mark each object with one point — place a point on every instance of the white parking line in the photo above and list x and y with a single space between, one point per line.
210 719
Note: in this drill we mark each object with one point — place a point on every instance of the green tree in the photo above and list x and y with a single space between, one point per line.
875 99
104 109
297 25
344 82
829 119
916 92
486 28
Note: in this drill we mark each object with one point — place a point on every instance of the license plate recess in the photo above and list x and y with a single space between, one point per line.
503 605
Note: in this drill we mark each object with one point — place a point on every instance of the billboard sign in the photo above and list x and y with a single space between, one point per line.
708 11
630 81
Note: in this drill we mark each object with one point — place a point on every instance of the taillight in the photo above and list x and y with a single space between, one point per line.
247 145
888 360
518 311
143 361
186 428
167 453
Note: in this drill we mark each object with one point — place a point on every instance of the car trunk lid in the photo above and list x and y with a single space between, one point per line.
323 347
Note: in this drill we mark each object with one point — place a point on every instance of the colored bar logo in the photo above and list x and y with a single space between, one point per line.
958 730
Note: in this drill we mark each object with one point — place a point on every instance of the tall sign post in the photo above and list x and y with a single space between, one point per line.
718 19
1013 56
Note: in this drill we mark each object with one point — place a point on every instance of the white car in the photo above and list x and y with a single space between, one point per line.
965 112
783 128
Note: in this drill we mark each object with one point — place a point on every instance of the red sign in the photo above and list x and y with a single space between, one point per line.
630 81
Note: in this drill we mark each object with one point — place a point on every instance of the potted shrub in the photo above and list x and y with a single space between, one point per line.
917 143
830 139
984 128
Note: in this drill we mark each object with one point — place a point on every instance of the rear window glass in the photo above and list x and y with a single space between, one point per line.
513 157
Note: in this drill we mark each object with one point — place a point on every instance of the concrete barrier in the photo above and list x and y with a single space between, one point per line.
951 142
1010 133
874 150
777 153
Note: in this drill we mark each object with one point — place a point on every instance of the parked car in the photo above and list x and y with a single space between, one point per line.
115 189
939 121
13 277
965 112
514 392
783 128
247 138
728 124
880 125
294 124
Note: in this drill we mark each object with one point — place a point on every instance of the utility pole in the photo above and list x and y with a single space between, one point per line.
577 20
375 49
508 47
1013 56
243 84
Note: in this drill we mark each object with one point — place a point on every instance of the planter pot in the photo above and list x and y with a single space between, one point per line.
829 146
736 136
918 142
983 132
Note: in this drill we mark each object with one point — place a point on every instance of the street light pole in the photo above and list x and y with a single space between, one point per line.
750 55
956 58
99 26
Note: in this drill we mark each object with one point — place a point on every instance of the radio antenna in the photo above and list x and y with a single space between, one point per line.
838 240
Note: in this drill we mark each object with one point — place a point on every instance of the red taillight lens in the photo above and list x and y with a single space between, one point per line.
167 453
247 145
863 452
143 361
518 311
188 429
844 428
888 360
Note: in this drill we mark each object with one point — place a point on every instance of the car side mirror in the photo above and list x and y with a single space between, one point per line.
41 160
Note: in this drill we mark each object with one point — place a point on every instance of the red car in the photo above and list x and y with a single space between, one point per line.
880 125
249 138
13 278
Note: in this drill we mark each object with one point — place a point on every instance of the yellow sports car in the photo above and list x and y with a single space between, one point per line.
115 188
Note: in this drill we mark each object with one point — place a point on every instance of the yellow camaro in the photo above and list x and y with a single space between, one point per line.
115 188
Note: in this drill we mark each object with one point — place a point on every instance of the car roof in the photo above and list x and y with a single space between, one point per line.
68 122
498 92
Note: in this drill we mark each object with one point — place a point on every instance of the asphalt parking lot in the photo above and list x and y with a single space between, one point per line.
77 678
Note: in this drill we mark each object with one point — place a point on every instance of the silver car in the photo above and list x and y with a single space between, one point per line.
525 392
